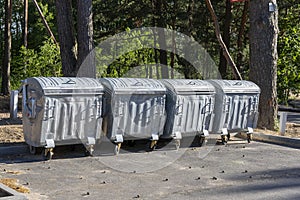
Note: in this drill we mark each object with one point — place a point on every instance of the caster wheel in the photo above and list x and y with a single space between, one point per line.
48 154
249 138
89 151
223 139
153 144
32 150
117 149
228 136
177 144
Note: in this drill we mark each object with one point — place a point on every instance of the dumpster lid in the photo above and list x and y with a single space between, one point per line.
63 85
188 85
236 86
133 85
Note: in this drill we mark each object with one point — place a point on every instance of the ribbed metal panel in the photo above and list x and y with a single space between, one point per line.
66 118
236 106
135 108
189 107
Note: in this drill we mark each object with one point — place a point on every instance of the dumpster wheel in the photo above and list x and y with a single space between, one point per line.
117 148
153 144
223 138
89 151
32 150
177 144
228 136
249 137
48 153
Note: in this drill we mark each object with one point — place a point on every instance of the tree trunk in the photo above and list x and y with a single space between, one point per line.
173 53
155 53
155 38
44 21
25 31
188 69
162 40
226 54
263 58
5 87
226 39
241 37
86 57
66 36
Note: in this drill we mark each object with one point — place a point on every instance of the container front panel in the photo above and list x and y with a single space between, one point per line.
67 119
138 116
242 112
193 113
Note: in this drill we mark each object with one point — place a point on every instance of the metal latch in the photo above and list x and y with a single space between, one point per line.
91 141
50 143
154 136
250 130
119 138
224 131
205 133
178 135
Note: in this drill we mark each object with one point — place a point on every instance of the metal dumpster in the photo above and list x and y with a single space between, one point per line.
189 108
134 108
236 107
61 111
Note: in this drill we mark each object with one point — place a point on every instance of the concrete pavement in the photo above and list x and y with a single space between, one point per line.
237 170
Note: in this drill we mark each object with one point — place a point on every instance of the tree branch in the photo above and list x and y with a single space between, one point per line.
226 54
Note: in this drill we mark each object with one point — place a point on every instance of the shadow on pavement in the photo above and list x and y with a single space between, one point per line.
19 152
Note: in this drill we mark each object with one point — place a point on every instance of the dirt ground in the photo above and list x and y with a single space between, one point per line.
292 131
10 130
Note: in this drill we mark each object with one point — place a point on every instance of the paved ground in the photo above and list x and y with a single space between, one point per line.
235 171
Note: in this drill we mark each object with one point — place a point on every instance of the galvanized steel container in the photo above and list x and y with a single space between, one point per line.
189 108
134 108
236 106
61 111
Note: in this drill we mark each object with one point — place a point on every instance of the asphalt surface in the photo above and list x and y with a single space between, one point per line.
237 170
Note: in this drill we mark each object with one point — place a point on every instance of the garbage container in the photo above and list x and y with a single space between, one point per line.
61 111
189 108
236 107
134 109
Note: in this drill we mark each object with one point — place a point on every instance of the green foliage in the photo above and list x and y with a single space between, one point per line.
124 54
30 63
289 54
37 31
112 17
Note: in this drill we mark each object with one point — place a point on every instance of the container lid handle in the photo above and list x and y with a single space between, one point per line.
137 84
191 83
238 83
70 81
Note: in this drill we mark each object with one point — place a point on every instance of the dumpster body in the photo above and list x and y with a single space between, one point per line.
236 106
61 111
134 109
189 108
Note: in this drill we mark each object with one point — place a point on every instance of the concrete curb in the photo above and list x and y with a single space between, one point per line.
274 139
10 194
